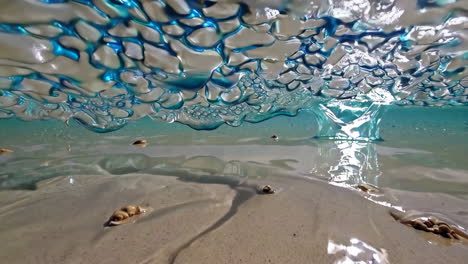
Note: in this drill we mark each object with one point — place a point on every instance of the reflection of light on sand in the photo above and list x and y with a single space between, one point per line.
357 252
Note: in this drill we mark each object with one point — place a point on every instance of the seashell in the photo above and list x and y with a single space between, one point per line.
5 151
444 229
121 216
267 189
433 220
133 210
398 215
140 143
368 188
455 235
459 232
117 218
419 224
447 235
431 224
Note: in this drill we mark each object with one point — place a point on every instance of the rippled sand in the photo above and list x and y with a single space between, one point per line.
191 222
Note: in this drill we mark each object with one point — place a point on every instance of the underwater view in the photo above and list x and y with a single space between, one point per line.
234 131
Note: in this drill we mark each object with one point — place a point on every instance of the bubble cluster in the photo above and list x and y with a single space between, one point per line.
205 63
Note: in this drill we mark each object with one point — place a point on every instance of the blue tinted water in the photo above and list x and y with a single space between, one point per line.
427 137
204 63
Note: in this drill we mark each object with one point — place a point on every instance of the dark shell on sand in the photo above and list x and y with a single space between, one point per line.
267 189
368 188
140 143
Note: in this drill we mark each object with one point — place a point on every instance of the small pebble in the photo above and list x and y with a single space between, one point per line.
140 143
5 151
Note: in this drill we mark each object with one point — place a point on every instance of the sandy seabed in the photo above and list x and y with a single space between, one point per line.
198 221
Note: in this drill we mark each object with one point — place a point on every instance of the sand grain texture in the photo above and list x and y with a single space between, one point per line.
63 224
188 222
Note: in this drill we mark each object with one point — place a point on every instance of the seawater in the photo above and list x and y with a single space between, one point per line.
206 63
432 139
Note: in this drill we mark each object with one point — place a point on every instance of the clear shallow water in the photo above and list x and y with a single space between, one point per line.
423 150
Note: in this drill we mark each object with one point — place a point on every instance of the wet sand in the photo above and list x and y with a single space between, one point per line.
193 220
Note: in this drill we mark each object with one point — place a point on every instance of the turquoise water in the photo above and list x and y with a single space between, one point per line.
431 138
206 63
